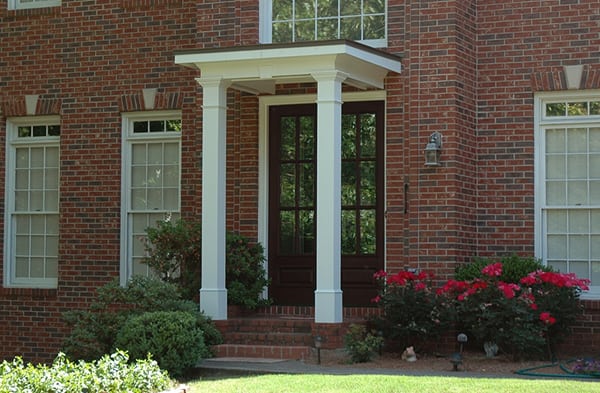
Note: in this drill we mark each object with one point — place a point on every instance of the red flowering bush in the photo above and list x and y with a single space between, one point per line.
523 318
412 313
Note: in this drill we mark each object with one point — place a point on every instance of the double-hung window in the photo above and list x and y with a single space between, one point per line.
284 21
28 4
32 195
568 181
150 181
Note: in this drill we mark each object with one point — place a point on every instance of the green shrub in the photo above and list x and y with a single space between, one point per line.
513 268
95 330
110 374
525 317
360 344
174 252
172 337
412 313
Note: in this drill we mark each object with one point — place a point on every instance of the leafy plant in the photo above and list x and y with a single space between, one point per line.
360 344
525 317
95 330
412 313
514 268
110 374
172 337
174 252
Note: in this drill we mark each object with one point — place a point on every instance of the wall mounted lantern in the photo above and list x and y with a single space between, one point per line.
433 150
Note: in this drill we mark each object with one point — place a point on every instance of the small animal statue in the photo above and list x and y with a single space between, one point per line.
409 355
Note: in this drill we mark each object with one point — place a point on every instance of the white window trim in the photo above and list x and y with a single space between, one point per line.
10 150
127 136
17 5
266 16
541 121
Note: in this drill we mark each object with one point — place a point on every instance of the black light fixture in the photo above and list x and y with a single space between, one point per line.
433 150
318 345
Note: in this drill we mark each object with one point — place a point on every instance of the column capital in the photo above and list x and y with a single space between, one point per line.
329 75
213 81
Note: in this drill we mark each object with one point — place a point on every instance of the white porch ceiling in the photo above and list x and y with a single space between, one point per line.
257 69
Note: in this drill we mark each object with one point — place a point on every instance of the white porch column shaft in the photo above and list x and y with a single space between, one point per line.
328 295
213 293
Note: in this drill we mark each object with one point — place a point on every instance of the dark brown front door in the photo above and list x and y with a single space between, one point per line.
292 206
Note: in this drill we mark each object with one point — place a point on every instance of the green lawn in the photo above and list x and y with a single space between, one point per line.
384 383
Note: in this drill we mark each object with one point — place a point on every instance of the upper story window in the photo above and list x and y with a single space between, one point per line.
313 20
27 4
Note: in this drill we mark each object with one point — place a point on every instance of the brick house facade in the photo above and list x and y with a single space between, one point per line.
488 75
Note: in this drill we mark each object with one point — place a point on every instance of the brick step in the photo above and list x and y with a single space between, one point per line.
271 338
270 325
283 352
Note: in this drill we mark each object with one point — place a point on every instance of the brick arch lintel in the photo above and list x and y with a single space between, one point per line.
30 105
556 79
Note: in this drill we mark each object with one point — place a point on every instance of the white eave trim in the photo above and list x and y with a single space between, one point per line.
257 69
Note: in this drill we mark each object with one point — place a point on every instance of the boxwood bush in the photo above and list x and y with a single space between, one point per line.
172 337
95 330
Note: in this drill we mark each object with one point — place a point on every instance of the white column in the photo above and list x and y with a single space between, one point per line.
328 295
213 293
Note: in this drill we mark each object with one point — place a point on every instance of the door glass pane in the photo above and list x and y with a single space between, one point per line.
594 166
348 183
288 138
307 137
348 136
288 185
594 139
367 232
595 192
367 183
348 232
138 154
37 157
367 135
307 231
307 185
287 232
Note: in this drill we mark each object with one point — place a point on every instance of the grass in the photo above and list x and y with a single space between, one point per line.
385 383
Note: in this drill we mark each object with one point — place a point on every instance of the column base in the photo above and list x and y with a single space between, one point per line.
328 307
213 302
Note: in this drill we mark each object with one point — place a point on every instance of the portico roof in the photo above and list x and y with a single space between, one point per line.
257 69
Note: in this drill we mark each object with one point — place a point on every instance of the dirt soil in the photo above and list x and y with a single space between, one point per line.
472 363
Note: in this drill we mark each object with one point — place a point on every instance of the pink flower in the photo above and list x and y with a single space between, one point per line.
493 270
547 318
376 299
420 286
380 274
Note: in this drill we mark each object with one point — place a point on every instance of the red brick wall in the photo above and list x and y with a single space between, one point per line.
90 61
470 71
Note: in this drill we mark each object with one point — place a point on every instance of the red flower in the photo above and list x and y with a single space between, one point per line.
380 274
508 289
547 318
420 286
376 299
493 270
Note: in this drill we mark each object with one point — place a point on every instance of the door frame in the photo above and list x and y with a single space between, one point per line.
264 102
